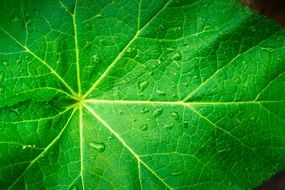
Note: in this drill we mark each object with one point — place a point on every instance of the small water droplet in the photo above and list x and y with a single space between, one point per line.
95 59
185 125
169 126
145 110
170 49
160 92
157 112
14 18
74 187
99 16
176 173
111 137
100 147
134 120
177 56
268 49
252 118
142 85
19 61
174 115
88 26
132 52
120 112
144 127
5 63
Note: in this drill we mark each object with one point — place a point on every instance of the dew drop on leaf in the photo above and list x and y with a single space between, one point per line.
160 92
169 126
170 49
142 85
98 16
269 49
74 187
100 147
177 56
157 112
145 110
174 115
176 173
5 63
185 124
144 127
14 18
96 59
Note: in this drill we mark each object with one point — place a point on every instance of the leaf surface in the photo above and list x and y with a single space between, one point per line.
139 95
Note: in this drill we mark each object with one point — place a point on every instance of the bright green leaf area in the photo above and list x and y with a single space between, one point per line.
139 94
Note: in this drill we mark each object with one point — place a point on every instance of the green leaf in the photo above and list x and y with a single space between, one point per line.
142 94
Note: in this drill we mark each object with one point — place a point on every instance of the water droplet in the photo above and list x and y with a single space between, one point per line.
268 49
145 110
134 120
95 59
174 115
120 112
14 18
100 147
169 126
132 52
111 137
5 63
177 56
99 16
37 12
88 26
185 125
176 173
19 61
252 118
170 49
157 112
74 187
144 127
160 92
142 85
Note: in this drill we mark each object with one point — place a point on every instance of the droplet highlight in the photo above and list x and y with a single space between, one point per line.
142 85
174 115
100 147
157 112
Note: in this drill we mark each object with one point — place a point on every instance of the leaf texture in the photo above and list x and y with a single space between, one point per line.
143 94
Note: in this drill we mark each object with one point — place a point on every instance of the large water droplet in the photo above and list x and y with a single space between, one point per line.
169 126
142 85
177 56
160 92
144 127
157 112
100 147
174 115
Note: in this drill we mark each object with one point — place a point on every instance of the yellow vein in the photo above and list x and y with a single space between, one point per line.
40 60
126 145
43 152
120 55
95 101
81 145
76 48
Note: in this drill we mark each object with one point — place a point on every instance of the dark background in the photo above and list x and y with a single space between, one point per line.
275 10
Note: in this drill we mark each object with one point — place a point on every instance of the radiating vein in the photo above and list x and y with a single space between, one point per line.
148 102
120 55
40 60
43 152
81 145
106 125
76 47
